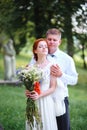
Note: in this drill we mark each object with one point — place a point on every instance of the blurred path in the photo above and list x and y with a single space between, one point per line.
7 82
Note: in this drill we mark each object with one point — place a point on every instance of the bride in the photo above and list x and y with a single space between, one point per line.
48 86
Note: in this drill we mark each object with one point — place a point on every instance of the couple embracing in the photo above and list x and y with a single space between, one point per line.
58 72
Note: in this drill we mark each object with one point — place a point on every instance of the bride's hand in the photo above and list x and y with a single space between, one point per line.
27 93
34 95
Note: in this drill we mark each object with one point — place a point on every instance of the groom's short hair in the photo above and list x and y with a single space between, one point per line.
53 31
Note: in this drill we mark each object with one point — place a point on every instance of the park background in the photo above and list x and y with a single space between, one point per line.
23 22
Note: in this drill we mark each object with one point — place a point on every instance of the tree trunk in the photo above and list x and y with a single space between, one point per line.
68 28
83 57
38 19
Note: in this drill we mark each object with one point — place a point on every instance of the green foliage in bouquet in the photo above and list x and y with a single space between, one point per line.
31 112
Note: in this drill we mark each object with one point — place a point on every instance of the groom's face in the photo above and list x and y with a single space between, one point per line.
53 42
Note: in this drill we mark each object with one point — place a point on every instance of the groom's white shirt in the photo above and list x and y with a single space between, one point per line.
66 63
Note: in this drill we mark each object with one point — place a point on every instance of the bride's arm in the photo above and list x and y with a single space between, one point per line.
53 83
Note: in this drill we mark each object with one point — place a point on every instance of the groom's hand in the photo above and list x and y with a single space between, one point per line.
56 71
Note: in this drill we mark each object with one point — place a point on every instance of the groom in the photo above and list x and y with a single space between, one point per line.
65 70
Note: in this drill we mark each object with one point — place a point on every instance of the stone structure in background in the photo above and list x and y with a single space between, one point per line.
1 128
9 61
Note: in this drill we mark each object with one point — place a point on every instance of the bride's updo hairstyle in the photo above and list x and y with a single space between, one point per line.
35 46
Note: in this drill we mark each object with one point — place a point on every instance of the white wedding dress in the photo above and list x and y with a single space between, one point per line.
46 105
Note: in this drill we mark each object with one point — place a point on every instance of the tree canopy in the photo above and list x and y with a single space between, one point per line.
20 19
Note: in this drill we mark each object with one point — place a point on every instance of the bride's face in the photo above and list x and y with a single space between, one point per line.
42 48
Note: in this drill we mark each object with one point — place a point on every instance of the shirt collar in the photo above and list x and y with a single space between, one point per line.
55 53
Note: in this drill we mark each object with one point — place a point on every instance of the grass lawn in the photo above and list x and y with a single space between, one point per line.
12 107
13 102
78 107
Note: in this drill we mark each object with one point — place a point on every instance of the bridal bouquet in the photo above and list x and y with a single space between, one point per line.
31 78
